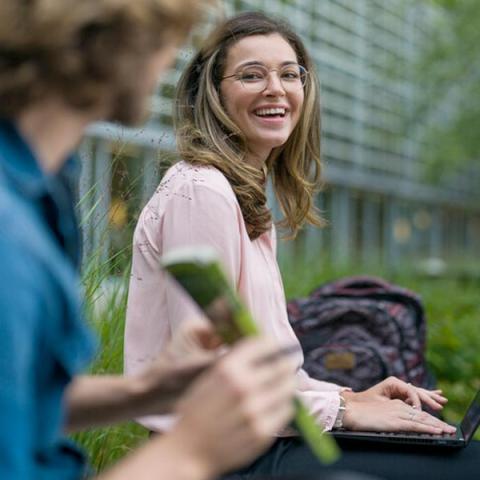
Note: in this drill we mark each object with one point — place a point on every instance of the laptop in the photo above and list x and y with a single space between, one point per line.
461 438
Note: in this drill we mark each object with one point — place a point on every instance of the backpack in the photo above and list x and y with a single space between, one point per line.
359 330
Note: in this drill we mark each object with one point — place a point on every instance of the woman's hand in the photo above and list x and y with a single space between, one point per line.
232 412
391 416
392 406
392 388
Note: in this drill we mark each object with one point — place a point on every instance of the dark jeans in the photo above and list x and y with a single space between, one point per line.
291 458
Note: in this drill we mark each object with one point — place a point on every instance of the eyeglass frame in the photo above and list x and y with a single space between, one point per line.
237 74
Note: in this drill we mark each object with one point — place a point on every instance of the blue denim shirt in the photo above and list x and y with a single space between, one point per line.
44 341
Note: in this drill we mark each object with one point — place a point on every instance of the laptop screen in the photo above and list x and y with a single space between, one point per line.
471 421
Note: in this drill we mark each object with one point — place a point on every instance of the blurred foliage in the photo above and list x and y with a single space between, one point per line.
105 306
447 74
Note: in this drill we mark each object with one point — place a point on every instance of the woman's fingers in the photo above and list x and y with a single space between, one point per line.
407 426
392 416
417 421
411 395
393 387
431 399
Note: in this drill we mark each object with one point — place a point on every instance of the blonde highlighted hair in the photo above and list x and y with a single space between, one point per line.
83 51
207 136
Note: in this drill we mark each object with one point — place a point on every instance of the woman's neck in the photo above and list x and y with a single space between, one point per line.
258 159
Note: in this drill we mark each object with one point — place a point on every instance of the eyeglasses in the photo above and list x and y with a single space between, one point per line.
254 78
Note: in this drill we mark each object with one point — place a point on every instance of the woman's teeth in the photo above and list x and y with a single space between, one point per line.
268 112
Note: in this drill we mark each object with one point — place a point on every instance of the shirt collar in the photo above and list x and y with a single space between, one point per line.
20 165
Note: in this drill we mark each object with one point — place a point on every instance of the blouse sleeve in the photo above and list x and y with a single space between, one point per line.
197 215
321 398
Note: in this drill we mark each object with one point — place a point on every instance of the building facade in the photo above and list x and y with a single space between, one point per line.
379 207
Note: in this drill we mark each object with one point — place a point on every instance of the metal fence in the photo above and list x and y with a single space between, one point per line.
379 207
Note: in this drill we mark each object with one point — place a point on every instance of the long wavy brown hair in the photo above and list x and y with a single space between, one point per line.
84 51
207 136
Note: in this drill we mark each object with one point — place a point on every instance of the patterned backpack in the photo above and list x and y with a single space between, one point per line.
359 330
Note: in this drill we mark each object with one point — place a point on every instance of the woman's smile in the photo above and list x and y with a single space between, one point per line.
258 70
272 114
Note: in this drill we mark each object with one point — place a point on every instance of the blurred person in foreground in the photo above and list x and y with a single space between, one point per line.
64 64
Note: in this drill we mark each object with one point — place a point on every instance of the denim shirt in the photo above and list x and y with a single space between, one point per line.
44 341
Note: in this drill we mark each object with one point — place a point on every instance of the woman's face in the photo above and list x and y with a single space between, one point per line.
268 117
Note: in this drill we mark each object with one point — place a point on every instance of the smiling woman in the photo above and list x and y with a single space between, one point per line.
248 107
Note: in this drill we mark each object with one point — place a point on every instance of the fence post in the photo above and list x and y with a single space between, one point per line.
102 177
341 226
370 230
85 195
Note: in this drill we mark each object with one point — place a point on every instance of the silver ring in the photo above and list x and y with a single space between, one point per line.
412 415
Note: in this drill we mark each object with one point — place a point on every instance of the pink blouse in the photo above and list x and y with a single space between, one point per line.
197 206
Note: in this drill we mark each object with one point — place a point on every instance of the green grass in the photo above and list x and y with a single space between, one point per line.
107 315
453 309
453 314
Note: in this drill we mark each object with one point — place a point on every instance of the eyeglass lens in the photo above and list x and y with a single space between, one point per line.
256 78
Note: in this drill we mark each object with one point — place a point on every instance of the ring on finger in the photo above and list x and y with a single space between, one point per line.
412 415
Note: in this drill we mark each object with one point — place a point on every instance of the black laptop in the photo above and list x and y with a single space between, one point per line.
460 438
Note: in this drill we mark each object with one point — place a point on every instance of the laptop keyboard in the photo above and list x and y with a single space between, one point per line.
401 437
413 437
420 435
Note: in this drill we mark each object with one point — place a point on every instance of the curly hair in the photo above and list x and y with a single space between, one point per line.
206 135
82 50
